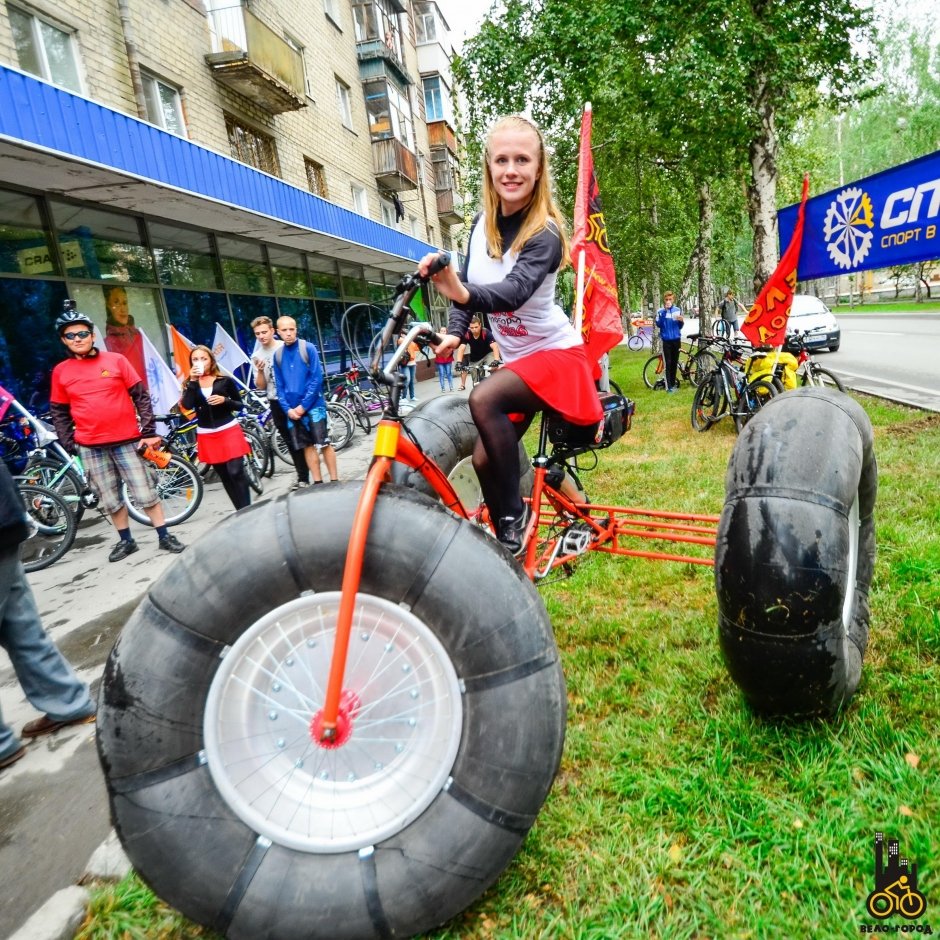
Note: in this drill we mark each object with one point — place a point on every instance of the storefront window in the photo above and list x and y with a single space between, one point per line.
290 276
101 245
195 313
25 247
335 355
184 258
243 267
29 346
244 309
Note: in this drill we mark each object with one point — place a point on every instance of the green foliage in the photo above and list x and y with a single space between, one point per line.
676 812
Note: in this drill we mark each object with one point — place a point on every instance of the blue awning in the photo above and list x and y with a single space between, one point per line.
62 144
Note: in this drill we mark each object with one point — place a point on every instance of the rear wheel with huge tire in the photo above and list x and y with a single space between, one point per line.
795 553
450 730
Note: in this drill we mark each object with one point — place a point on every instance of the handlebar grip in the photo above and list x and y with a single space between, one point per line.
439 263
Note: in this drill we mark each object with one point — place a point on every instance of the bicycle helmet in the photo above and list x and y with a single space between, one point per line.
70 317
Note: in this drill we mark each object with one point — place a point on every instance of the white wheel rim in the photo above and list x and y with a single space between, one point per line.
463 478
402 711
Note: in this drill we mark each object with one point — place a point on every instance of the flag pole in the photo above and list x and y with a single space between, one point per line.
579 280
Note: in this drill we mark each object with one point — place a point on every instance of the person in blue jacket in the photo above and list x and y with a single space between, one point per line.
669 322
298 376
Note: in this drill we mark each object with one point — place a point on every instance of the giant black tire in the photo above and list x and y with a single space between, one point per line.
175 719
445 432
795 553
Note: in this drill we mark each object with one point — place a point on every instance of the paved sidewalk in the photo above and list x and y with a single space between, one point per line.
53 807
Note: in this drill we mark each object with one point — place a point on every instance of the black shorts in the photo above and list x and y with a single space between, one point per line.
309 433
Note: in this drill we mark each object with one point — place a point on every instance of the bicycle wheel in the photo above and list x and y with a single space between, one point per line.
179 487
54 527
635 343
707 404
50 473
700 366
756 394
260 455
795 553
653 371
360 412
822 378
340 425
279 446
451 726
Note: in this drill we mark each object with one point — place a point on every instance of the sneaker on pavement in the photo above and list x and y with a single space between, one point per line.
171 544
122 550
298 485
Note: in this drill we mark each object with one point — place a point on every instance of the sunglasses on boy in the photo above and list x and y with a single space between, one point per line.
78 334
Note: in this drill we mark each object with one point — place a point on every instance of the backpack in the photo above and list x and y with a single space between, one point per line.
279 353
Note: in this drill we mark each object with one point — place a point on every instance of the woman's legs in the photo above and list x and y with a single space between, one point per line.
441 373
496 457
449 375
235 480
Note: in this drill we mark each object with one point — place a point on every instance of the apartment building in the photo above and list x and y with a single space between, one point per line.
219 160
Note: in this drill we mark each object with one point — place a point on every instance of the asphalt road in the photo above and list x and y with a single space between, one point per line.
894 355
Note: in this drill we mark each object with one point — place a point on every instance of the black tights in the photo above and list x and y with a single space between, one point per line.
235 480
496 453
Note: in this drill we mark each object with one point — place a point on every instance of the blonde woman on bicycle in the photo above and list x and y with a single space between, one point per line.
517 246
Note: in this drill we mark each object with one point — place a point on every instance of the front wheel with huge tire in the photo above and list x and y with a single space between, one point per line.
450 730
795 553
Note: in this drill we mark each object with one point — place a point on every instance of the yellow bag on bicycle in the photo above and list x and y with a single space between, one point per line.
767 365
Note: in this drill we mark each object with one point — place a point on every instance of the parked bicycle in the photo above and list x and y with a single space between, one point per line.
808 370
53 526
476 372
726 390
696 360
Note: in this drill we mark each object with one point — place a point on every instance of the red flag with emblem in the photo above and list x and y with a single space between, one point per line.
766 323
598 310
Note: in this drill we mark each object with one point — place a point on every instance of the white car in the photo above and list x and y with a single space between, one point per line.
811 317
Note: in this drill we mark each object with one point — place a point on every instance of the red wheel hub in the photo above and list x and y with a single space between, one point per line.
349 705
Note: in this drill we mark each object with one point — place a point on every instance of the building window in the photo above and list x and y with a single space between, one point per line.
44 50
329 8
164 107
300 50
344 103
433 100
251 146
316 178
425 23
388 213
389 112
360 200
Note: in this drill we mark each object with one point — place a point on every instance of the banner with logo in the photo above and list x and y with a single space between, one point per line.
880 221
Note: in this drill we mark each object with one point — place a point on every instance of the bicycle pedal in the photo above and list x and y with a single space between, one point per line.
576 539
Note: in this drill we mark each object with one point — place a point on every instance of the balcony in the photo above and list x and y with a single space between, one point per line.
450 206
394 165
441 134
250 58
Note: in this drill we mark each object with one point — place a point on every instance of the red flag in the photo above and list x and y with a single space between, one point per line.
601 326
766 323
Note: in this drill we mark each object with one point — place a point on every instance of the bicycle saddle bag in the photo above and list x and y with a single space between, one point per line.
618 416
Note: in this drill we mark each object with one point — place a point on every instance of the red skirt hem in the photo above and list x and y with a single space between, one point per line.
562 379
221 446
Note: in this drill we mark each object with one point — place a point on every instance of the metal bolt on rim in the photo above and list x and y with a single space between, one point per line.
400 723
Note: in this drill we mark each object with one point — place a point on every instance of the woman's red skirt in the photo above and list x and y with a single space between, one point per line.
218 445
562 379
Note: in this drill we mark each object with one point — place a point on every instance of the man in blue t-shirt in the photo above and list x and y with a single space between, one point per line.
669 322
299 380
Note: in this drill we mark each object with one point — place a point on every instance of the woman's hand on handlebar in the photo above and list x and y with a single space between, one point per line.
445 280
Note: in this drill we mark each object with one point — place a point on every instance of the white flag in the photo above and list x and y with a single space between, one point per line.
228 354
161 381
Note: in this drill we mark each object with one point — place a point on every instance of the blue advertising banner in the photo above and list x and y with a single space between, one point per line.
880 221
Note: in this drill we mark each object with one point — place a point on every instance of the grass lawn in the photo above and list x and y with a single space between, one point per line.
677 813
896 306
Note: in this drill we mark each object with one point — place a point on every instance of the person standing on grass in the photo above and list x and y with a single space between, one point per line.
102 411
517 246
263 360
728 309
49 682
299 379
220 441
669 321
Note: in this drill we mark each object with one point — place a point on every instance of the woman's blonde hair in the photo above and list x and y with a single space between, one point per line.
213 365
542 206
